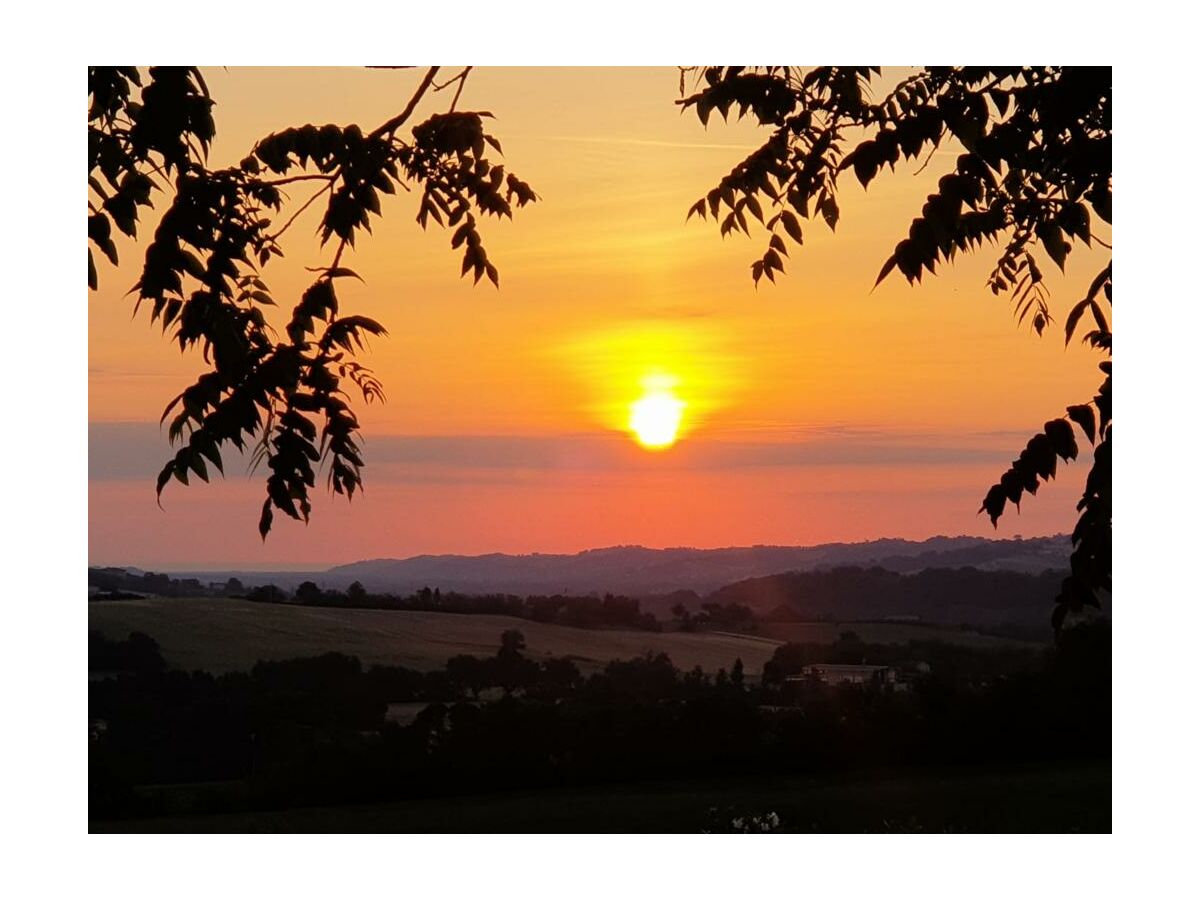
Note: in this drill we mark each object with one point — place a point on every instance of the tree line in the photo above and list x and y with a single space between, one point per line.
316 731
1009 604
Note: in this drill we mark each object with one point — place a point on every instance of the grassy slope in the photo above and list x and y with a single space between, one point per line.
221 635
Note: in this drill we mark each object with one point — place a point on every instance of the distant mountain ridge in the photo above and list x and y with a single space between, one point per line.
642 571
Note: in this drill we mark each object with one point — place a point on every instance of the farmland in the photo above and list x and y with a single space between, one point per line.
222 635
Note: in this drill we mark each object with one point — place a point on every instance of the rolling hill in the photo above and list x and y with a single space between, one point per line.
642 571
219 634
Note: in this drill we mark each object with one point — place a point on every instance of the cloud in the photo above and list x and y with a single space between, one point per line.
135 450
119 451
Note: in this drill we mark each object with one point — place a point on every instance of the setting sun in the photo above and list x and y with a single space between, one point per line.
654 418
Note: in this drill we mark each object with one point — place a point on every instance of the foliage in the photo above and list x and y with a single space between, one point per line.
137 653
999 602
575 611
1033 173
989 601
279 388
314 731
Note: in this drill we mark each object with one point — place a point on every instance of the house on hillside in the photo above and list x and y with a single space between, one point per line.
841 673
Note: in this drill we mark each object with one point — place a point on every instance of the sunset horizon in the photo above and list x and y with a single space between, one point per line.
656 450
811 410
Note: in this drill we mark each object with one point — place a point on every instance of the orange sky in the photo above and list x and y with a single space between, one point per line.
816 409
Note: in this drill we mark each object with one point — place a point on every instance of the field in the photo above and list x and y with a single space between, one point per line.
1004 799
222 635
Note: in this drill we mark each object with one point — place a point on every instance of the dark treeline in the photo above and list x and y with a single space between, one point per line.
580 612
137 653
1009 604
316 731
956 662
999 602
121 584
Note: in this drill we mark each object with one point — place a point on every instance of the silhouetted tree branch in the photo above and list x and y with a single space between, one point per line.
203 271
1034 171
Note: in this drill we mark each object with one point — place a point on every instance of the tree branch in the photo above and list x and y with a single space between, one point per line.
396 121
461 78
307 203
293 178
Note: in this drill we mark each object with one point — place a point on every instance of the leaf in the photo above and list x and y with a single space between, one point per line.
993 503
196 462
264 521
829 209
1051 236
792 225
1063 437
1076 222
1010 482
865 160
210 450
343 273
1040 454
1073 318
886 270
163 477
1085 417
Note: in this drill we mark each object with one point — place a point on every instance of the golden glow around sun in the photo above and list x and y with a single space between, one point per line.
659 382
654 418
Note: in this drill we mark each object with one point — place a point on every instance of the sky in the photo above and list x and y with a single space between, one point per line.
812 410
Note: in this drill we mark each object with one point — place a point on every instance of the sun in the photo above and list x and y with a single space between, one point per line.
654 418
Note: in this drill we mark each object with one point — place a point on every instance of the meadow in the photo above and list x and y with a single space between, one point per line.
223 635
219 634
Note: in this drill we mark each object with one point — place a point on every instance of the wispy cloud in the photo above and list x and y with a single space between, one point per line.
100 372
128 450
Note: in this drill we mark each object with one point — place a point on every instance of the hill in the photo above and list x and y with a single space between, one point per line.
219 634
1011 602
642 571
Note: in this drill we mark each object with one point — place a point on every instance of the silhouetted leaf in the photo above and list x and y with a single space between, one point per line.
993 503
887 268
1085 417
1062 436
1050 234
792 226
1073 318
